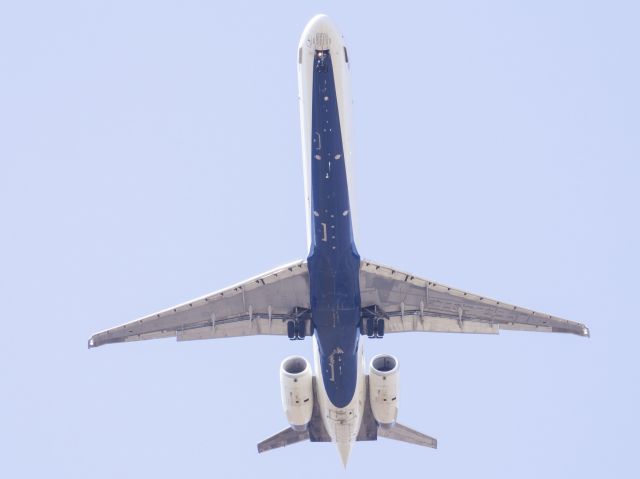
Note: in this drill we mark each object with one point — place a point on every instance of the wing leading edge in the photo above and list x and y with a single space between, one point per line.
260 305
408 303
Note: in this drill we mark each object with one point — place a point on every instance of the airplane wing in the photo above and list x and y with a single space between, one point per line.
408 303
261 305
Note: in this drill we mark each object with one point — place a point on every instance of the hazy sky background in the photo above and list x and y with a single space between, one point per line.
150 153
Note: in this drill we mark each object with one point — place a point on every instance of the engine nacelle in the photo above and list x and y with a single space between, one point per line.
297 391
383 388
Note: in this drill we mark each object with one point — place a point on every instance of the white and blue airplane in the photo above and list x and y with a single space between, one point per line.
334 296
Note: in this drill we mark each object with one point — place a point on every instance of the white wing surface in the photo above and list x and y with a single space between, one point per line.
261 305
408 303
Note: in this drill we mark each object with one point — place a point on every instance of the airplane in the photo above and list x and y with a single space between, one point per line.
334 296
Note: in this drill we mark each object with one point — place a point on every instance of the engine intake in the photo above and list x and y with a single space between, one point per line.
383 388
296 386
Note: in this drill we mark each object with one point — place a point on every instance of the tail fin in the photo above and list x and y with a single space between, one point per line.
315 431
399 432
286 437
370 430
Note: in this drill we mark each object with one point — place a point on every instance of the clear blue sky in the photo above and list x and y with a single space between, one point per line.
150 153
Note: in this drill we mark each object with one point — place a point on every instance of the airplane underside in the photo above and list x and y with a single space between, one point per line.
369 430
334 296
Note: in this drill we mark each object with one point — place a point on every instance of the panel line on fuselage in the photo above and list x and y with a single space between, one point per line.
333 261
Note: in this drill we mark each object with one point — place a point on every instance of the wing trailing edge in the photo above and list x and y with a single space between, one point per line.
409 303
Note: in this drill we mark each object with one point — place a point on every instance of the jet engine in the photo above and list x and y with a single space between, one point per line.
297 391
383 388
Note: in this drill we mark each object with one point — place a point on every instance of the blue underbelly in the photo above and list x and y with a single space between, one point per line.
333 261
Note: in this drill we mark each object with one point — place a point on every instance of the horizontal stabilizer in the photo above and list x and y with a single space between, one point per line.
315 431
286 437
402 433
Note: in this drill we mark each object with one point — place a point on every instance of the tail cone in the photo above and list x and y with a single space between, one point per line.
344 448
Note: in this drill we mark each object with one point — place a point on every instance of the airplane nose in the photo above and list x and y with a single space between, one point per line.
320 33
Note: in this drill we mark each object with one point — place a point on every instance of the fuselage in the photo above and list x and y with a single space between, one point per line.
333 260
